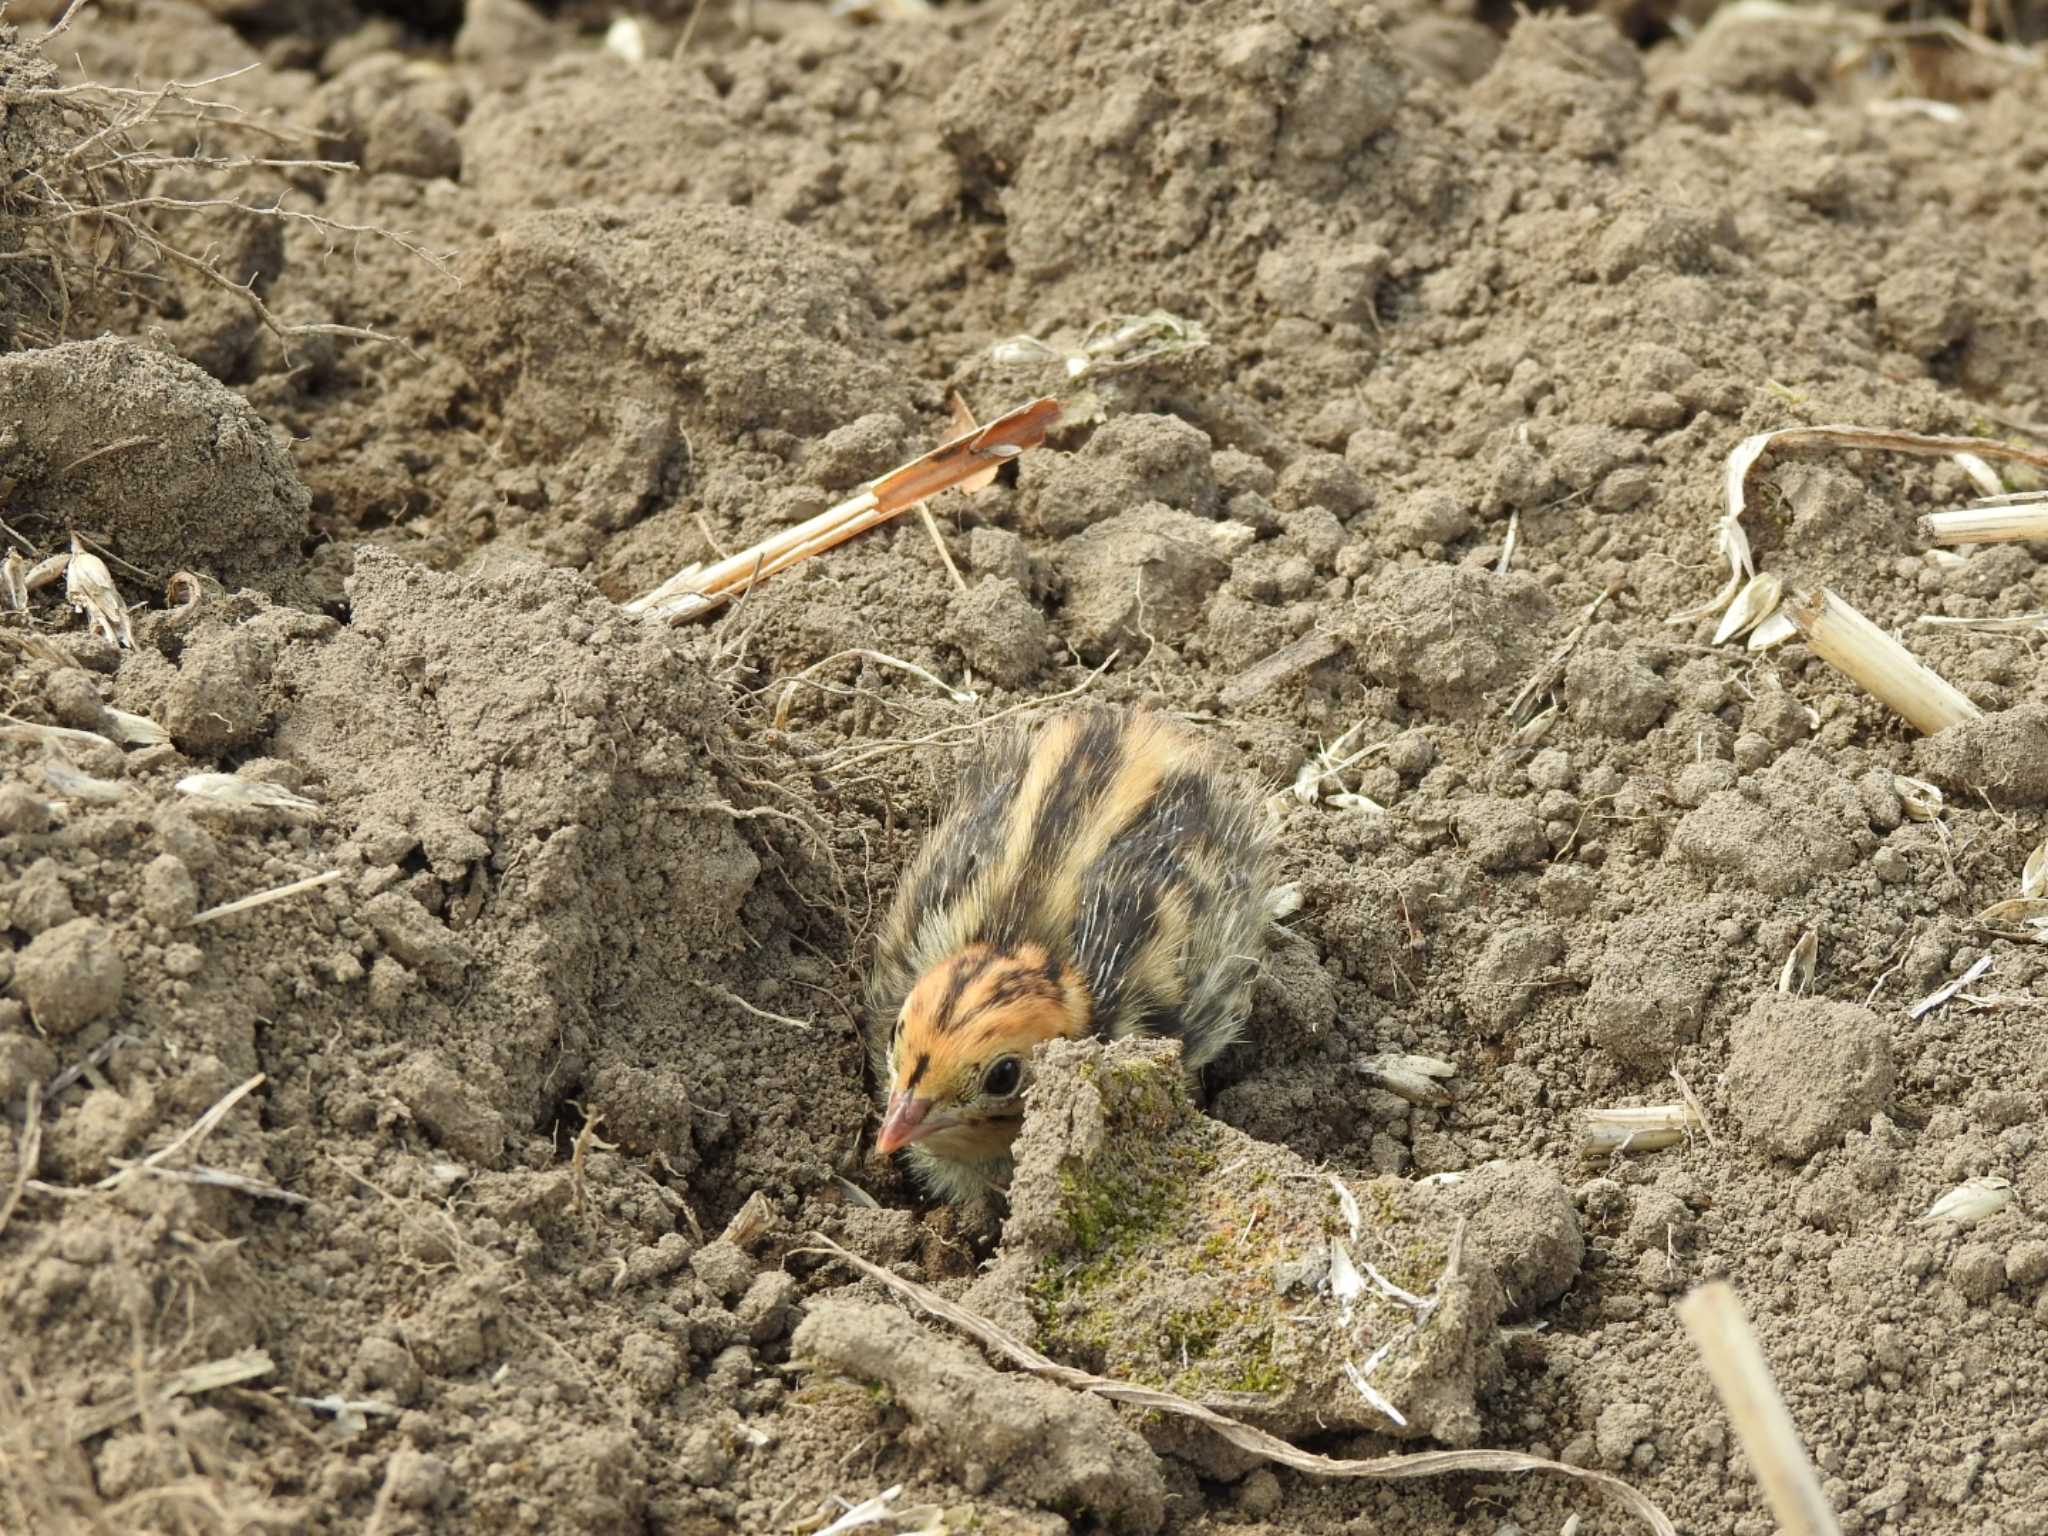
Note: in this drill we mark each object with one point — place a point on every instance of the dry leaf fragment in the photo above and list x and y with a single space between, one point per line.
1969 1203
76 784
2023 917
1982 475
1797 975
89 587
1775 629
136 730
2034 878
1757 601
1922 801
244 794
13 583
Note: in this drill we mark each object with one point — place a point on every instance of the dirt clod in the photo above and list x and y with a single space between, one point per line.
233 509
1804 1071
70 976
1050 1446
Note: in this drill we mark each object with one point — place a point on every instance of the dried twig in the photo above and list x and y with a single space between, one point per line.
693 592
1418 1464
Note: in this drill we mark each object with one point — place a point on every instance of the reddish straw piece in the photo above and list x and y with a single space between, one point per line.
695 592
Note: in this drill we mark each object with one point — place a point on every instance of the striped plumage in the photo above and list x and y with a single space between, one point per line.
1099 877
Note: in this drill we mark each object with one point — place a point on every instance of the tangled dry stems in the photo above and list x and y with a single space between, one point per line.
83 211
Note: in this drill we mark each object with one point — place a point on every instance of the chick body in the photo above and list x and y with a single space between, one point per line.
1102 877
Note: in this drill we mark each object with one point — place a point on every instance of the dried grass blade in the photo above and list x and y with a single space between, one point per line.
220 1178
27 1153
1947 990
2012 624
2034 876
192 1135
1404 1468
264 898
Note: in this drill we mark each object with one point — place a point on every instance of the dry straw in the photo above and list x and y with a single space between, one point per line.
1996 520
1735 1363
1872 659
1732 541
1636 1128
699 589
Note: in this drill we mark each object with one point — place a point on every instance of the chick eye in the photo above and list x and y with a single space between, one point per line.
1001 1080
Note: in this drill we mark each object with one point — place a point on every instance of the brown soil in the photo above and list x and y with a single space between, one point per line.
584 990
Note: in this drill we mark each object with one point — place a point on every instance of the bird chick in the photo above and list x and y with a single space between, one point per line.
1101 878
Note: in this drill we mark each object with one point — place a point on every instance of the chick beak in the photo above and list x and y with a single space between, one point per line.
904 1123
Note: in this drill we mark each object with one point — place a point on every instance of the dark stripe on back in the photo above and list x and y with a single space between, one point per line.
1085 775
1126 887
